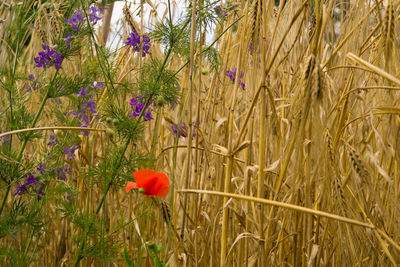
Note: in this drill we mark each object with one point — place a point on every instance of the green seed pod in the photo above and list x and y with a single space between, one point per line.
115 122
204 71
160 101
141 190
110 132
108 120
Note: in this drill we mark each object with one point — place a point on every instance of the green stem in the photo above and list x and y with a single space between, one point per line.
153 145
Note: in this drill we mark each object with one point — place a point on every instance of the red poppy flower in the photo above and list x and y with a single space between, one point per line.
153 183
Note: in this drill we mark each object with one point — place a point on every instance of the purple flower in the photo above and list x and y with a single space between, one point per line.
96 85
5 139
137 105
52 141
76 18
68 40
182 130
40 192
251 47
48 58
146 45
219 11
42 168
232 76
89 105
70 151
62 173
29 181
82 92
134 41
85 115
178 131
93 16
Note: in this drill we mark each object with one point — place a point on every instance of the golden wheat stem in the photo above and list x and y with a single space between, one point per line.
282 205
190 106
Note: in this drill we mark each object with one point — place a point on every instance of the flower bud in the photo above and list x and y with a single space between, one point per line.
160 101
115 122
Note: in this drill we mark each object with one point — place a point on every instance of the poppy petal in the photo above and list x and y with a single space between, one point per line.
142 175
130 186
163 183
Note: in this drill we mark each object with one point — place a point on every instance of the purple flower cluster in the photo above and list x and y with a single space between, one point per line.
177 131
48 58
30 182
62 173
88 108
182 130
134 41
70 151
5 139
220 11
232 76
41 168
251 48
34 83
94 15
137 105
76 19
68 40
52 141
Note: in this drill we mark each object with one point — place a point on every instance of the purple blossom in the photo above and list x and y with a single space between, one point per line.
219 11
96 85
89 106
52 141
42 168
137 105
232 76
251 47
83 92
62 173
48 58
134 41
40 192
70 151
178 131
93 14
182 130
85 115
34 83
68 40
5 139
76 18
146 45
29 181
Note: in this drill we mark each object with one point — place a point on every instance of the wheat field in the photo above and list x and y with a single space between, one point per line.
279 135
